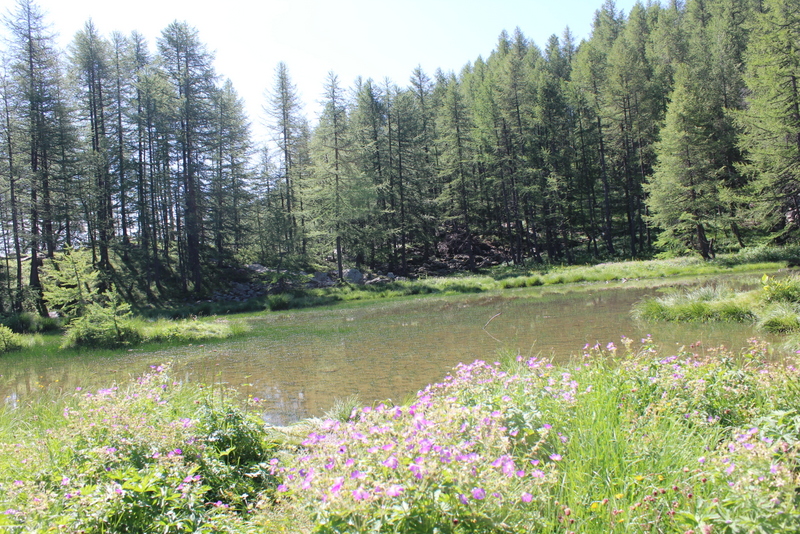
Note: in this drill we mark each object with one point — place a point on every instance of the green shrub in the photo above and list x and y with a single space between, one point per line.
781 289
88 331
102 328
31 323
9 340
279 302
236 451
236 435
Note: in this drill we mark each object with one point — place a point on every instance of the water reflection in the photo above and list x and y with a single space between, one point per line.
302 361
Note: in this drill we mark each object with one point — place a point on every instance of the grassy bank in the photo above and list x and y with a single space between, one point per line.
613 442
774 307
112 333
757 260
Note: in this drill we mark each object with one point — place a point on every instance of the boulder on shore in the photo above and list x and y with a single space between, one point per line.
321 280
353 276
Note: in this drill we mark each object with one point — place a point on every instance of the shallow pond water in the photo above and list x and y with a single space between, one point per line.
299 362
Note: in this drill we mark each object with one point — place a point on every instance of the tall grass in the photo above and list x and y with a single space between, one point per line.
706 303
185 331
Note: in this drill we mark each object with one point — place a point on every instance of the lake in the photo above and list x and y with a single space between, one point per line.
298 362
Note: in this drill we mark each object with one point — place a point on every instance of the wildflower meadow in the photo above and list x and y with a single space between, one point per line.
620 439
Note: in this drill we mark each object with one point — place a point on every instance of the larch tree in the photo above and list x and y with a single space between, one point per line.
333 172
771 120
368 128
455 158
120 130
12 203
230 171
286 122
36 68
189 69
684 188
89 58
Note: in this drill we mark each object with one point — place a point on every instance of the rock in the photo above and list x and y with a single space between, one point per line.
353 276
321 280
257 267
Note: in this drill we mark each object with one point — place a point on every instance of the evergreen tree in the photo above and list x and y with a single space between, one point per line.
36 68
189 69
684 189
284 110
771 120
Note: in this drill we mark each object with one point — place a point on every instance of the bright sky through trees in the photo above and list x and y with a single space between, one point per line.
369 38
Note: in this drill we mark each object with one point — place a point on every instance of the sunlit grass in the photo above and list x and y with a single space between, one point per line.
164 330
701 304
781 318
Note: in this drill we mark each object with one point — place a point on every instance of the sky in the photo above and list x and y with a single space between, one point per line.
375 39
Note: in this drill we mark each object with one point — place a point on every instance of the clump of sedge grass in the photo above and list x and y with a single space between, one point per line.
781 318
188 330
343 408
702 304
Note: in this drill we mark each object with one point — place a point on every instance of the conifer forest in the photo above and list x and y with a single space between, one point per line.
672 129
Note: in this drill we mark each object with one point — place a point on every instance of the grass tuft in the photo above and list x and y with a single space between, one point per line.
702 304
